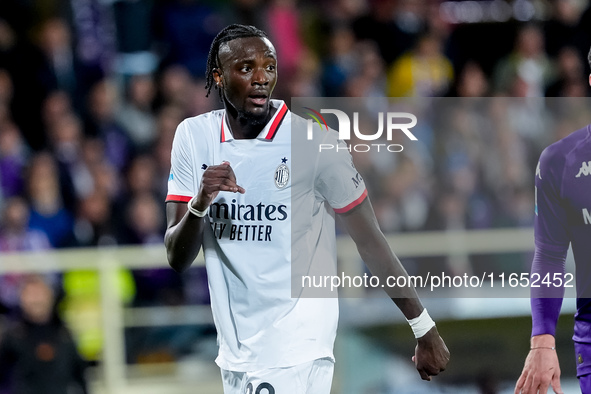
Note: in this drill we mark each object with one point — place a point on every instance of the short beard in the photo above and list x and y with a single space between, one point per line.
248 118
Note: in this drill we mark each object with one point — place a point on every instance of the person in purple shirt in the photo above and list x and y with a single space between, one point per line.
562 218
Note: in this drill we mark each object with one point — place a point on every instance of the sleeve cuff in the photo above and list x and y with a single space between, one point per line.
177 198
353 204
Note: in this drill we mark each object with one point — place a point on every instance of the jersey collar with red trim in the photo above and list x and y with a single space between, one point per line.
268 133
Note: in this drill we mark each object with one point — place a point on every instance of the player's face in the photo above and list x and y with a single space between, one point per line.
248 75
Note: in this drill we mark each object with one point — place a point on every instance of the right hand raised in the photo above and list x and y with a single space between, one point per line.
541 369
214 180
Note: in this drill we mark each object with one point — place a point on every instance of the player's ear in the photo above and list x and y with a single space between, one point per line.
589 79
217 77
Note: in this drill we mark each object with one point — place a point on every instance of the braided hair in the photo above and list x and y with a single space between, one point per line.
229 33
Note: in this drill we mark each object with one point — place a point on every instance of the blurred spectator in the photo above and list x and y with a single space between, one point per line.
133 22
583 39
135 114
516 207
174 88
404 204
424 71
511 171
571 80
95 32
63 68
435 22
81 306
144 221
247 12
168 119
102 122
186 30
305 82
463 148
15 232
471 82
94 223
370 78
340 64
48 213
39 350
448 213
13 158
66 137
142 190
140 176
17 236
342 12
393 25
6 95
284 30
561 30
527 70
55 40
56 106
105 178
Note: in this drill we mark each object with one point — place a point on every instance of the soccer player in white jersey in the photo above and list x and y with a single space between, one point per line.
230 192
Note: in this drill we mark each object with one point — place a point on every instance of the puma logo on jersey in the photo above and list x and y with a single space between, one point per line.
585 169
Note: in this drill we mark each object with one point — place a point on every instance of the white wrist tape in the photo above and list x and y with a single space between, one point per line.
194 211
421 324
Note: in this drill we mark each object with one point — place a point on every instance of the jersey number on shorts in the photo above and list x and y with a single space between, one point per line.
260 387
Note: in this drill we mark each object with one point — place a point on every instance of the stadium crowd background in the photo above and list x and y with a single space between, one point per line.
91 93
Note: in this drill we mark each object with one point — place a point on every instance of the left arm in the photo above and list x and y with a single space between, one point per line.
431 354
552 238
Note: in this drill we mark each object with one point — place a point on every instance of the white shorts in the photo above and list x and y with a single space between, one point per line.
313 377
